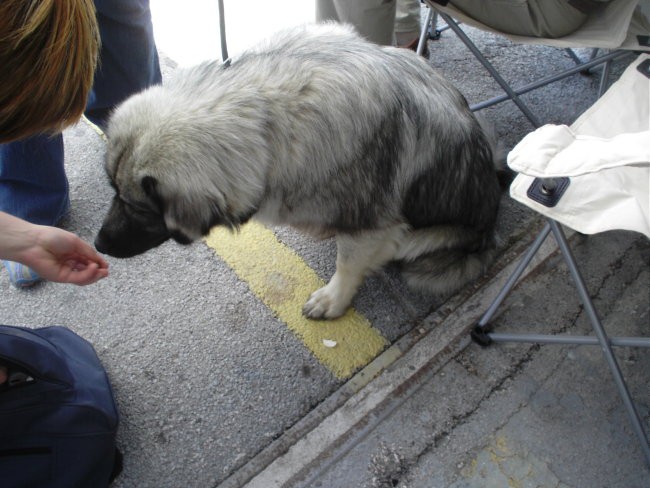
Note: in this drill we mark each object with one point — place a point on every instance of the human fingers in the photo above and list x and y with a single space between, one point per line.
80 273
86 252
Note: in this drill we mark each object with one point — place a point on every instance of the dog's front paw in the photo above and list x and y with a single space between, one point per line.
325 303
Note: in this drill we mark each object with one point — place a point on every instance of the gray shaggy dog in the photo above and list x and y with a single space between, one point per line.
317 129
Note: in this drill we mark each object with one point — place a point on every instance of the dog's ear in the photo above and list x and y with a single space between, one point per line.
150 186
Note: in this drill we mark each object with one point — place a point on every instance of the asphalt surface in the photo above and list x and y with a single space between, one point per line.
217 388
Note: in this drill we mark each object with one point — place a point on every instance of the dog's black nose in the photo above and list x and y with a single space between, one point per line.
100 243
127 241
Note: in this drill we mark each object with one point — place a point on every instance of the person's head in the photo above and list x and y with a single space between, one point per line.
48 53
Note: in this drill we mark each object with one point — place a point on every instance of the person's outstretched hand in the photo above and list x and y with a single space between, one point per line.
55 254
63 257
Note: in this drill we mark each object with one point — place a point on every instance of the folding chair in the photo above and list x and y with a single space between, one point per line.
599 170
618 27
562 186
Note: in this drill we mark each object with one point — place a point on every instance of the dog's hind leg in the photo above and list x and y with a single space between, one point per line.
357 255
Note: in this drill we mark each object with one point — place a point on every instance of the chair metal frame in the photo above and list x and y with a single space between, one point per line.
550 191
483 332
604 60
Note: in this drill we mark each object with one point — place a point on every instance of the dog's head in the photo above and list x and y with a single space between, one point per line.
169 178
135 225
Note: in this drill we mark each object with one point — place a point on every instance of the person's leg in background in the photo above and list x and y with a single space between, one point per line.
373 19
33 184
34 187
407 23
533 18
128 58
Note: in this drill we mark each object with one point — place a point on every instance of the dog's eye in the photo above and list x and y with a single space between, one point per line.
139 207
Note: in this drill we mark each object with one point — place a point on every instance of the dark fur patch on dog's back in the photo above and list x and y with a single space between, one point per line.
461 188
373 167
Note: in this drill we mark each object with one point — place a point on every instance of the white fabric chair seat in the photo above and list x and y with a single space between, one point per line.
615 27
606 154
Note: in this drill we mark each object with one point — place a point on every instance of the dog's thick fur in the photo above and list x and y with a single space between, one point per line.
320 130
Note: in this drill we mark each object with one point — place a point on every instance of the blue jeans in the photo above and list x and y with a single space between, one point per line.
33 184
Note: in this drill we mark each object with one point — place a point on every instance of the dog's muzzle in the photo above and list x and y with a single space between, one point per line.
127 232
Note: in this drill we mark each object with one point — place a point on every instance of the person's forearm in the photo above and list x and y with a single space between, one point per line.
15 236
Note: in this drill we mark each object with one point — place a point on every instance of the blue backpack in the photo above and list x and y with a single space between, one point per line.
58 418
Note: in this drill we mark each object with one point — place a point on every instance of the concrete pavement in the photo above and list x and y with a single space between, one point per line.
451 414
216 388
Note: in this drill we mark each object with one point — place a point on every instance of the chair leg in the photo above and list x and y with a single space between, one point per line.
573 56
584 67
424 32
495 74
604 78
482 331
604 341
514 93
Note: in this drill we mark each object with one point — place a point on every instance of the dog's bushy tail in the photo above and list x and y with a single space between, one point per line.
465 254
446 271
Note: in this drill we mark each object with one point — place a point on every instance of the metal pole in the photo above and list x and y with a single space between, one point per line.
424 32
222 32
570 340
550 79
514 277
604 78
495 74
602 339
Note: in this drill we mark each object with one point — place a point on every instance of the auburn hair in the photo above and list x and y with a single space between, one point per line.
48 54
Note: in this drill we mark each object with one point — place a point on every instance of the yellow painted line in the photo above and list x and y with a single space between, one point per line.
283 282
